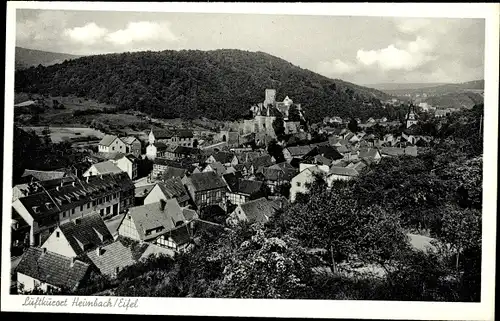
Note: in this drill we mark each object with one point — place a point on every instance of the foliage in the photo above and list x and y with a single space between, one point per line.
276 151
353 125
33 152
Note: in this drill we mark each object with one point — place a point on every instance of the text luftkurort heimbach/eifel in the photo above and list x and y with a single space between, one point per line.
122 303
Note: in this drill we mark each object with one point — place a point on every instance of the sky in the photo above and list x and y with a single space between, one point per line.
362 50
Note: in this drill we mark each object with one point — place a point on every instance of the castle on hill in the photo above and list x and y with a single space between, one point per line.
265 113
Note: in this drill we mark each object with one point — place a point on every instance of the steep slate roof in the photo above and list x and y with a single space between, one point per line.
56 198
259 210
150 216
261 161
180 235
89 230
223 157
114 255
107 140
368 153
243 186
232 179
129 140
173 188
107 167
218 168
43 175
172 172
299 150
342 171
160 147
52 268
206 181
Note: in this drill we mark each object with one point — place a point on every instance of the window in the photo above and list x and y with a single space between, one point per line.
73 211
88 205
81 208
298 184
57 234
63 214
102 211
108 209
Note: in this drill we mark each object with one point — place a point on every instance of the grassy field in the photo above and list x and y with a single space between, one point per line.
59 134
121 123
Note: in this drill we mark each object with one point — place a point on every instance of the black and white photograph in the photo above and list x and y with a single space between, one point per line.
326 160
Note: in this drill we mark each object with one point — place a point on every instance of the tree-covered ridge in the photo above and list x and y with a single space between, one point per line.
219 84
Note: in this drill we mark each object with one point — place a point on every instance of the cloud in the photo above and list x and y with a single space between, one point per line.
44 26
414 54
412 25
335 67
142 31
88 34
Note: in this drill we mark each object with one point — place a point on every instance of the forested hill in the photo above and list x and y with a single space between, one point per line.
219 84
26 58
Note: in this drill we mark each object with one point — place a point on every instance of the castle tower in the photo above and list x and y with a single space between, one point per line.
270 97
411 116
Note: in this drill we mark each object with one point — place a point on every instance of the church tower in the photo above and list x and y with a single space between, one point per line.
151 137
411 116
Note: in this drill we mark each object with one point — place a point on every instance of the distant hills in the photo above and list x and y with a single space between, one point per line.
455 100
430 88
219 84
26 58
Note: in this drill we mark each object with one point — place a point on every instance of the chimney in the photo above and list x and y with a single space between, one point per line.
57 188
162 204
73 260
87 180
44 249
99 251
73 184
61 183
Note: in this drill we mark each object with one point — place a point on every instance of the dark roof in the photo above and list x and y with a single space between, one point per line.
223 157
151 216
261 161
112 256
342 171
248 187
299 150
52 268
43 175
70 192
232 180
129 140
173 188
325 150
107 167
368 153
161 146
259 210
206 181
184 150
171 172
181 235
108 140
88 231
